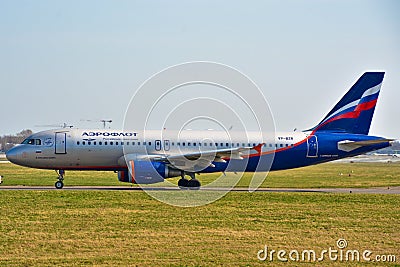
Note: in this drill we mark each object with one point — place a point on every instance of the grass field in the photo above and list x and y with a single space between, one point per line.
129 228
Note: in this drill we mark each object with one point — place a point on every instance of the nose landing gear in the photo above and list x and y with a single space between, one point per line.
60 184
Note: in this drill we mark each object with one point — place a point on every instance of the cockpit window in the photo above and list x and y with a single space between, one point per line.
30 141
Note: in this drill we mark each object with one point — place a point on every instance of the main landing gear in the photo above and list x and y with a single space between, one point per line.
60 184
192 184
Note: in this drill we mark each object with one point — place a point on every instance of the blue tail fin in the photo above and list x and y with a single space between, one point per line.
353 113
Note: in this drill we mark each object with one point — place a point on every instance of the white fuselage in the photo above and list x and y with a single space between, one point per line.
105 149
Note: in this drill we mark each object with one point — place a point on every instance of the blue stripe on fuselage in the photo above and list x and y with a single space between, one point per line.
296 156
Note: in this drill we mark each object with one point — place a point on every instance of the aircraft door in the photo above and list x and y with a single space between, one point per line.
61 143
312 147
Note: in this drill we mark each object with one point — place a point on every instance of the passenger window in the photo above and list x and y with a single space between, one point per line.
89 143
83 143
105 143
133 143
116 143
149 143
194 144
100 143
77 143
183 144
144 143
205 144
127 143
227 144
138 143
173 143
94 143
122 143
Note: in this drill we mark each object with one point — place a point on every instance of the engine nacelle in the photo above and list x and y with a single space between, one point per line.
146 172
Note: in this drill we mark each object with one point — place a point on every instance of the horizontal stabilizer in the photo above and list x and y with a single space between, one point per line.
348 145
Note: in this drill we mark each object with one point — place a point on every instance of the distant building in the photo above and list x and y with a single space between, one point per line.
386 151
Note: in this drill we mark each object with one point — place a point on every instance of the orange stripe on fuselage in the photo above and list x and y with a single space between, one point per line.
280 149
132 172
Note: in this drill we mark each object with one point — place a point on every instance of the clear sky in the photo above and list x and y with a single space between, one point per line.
68 61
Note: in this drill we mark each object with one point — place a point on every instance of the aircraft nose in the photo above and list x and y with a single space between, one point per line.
13 155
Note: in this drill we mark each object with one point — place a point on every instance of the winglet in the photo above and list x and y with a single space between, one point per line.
258 147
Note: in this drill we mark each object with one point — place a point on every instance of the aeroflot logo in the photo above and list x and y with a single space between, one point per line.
108 134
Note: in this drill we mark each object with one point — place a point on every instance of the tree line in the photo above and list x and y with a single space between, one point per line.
8 141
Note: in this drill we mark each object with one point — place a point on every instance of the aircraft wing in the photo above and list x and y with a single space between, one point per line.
206 157
348 145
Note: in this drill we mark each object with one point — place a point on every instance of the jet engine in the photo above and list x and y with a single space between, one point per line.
147 172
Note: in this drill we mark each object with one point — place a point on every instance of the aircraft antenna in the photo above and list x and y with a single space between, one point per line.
104 122
63 125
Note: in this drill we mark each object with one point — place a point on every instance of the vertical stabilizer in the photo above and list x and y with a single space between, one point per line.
354 112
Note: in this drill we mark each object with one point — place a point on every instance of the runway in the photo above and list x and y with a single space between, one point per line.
372 190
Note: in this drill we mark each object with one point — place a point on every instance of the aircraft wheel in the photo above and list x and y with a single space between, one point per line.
59 184
194 184
183 183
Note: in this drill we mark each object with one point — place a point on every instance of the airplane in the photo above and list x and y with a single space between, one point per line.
152 156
